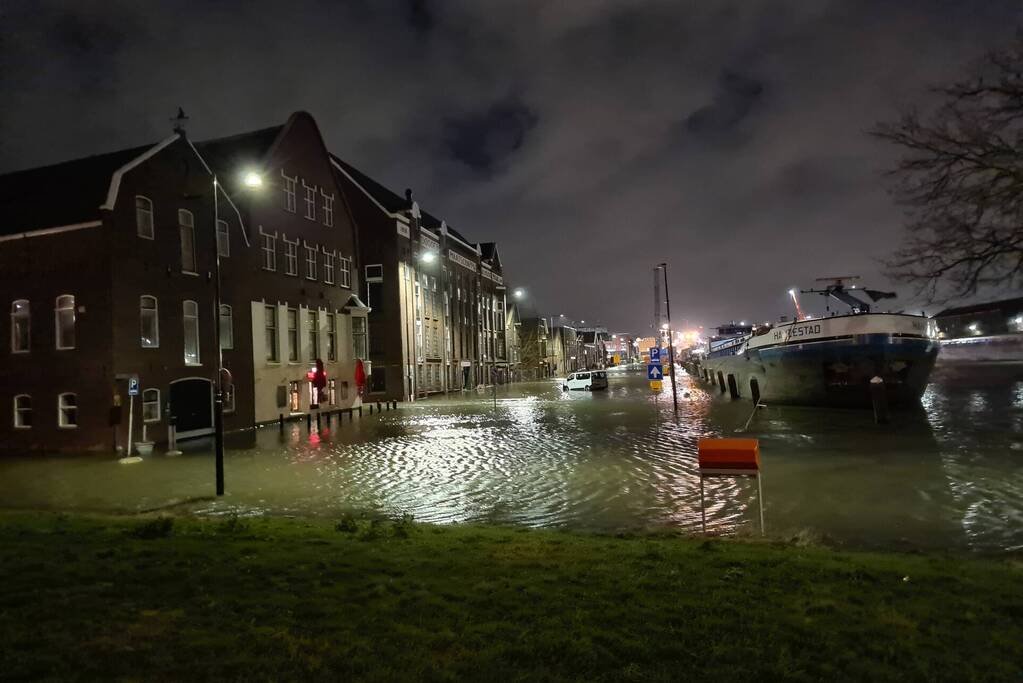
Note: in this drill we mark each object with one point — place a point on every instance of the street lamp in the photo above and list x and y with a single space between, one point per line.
663 267
252 180
428 257
519 293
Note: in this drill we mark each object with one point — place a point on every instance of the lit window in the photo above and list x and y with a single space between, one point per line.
186 226
331 338
294 401
151 405
328 267
310 201
65 321
345 274
144 217
328 209
23 411
269 251
20 326
290 257
67 411
289 191
313 336
226 327
310 262
359 336
149 323
223 239
293 335
332 391
191 316
270 338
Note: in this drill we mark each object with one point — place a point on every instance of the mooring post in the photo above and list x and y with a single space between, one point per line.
360 411
280 422
318 428
308 422
879 400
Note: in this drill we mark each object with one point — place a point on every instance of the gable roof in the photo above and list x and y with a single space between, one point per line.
227 156
67 193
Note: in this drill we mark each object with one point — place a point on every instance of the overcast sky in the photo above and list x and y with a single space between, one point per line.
591 139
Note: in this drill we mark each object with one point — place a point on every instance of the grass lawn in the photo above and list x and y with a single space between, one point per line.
99 598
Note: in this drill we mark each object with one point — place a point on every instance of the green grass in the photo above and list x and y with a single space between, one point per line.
94 598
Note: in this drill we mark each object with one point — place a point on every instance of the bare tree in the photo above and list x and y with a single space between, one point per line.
961 179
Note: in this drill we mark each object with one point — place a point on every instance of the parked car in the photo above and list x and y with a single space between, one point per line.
590 380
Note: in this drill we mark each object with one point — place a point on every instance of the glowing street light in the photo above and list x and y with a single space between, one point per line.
428 257
519 293
252 179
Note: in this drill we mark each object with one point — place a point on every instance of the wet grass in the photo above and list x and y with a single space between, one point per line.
91 598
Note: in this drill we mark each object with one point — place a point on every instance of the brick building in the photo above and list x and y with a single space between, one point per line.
109 264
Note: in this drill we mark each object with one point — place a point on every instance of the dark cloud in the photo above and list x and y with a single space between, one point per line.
483 140
725 137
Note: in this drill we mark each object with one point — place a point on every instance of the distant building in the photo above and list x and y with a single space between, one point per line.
991 318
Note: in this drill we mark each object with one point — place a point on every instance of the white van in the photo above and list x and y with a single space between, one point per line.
589 380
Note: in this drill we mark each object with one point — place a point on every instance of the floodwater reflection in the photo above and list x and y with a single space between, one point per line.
944 475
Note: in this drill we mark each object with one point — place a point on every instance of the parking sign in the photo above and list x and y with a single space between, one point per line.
133 386
655 354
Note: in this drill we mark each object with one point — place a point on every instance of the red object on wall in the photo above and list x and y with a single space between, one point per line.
360 375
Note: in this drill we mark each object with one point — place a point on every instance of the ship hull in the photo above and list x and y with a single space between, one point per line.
830 372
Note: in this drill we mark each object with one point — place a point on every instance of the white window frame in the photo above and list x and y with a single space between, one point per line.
57 309
364 334
311 260
155 342
312 322
328 265
310 200
331 336
345 272
268 247
223 239
61 417
17 415
150 402
290 256
275 357
229 343
290 187
26 314
293 353
186 316
147 212
328 208
190 225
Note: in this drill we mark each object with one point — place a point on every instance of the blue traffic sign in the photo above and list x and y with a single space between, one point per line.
653 371
655 354
133 386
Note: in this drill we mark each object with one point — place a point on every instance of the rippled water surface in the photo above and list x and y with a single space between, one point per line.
946 475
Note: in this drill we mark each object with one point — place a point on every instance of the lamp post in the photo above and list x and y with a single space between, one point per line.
671 344
251 180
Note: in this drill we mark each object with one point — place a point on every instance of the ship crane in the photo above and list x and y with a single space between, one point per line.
837 289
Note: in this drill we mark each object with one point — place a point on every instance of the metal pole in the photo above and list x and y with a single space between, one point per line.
760 499
131 415
703 509
671 344
218 403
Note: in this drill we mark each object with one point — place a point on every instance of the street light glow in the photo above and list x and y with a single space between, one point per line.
252 179
427 257
664 326
519 293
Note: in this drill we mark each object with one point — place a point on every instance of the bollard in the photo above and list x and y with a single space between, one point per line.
360 412
318 427
378 407
308 422
370 408
879 400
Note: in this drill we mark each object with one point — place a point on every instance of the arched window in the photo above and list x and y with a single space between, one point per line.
144 217
191 315
64 320
67 410
151 405
149 323
22 411
226 327
186 227
20 326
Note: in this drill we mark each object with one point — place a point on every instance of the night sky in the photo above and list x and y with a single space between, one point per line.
590 139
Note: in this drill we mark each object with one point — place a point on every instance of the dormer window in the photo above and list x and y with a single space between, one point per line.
328 208
289 191
310 201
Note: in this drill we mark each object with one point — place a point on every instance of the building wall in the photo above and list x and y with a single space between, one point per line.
39 269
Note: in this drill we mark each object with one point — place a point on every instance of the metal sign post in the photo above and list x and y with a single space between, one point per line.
730 458
133 391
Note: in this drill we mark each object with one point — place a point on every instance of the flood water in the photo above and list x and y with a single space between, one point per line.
946 475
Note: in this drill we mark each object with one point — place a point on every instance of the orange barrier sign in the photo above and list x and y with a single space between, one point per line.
729 454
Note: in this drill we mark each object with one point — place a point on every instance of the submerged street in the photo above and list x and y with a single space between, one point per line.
939 477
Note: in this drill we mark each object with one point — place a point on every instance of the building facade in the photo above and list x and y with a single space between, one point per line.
110 267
